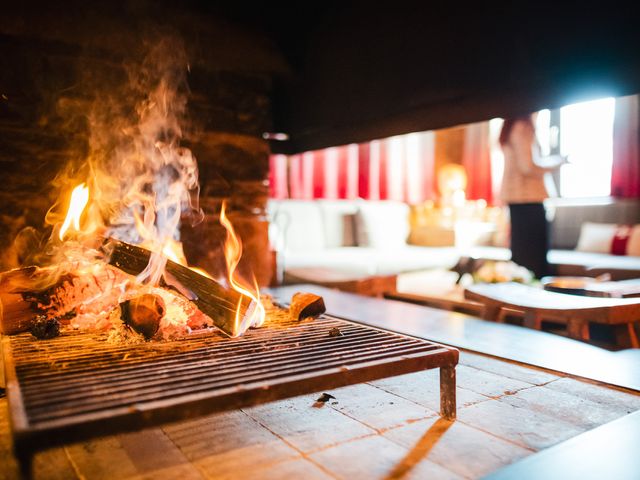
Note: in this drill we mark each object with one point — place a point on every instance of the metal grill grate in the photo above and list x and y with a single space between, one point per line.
79 385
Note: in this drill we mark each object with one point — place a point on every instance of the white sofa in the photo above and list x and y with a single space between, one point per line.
363 238
574 251
356 237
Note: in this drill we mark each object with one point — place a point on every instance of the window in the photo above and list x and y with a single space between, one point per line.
583 132
586 136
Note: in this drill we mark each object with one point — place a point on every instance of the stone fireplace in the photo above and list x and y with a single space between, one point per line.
57 65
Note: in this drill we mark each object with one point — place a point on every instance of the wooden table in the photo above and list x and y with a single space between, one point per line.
594 288
573 310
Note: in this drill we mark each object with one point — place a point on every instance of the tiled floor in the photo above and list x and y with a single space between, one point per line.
384 429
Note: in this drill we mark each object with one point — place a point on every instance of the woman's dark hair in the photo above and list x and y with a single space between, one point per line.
508 124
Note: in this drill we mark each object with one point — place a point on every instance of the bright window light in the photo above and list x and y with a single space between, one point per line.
586 136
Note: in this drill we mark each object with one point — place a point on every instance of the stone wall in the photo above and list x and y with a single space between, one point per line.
53 68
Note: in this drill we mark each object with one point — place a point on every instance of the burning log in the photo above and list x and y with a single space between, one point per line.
143 313
16 314
27 293
306 305
217 301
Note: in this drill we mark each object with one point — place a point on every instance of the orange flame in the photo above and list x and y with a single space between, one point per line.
79 200
232 254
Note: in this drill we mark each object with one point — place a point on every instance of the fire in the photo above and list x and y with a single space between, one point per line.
174 252
79 200
232 254
144 184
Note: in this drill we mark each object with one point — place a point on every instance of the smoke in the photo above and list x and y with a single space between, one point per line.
143 183
156 180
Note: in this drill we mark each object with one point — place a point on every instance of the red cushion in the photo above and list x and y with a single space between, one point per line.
620 240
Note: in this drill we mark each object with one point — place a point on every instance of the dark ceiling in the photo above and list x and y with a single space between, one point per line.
372 70
364 70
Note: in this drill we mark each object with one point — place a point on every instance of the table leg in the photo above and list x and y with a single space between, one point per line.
626 336
578 329
448 393
25 463
492 312
532 320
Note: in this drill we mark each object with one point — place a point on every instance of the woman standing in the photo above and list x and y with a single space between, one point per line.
523 190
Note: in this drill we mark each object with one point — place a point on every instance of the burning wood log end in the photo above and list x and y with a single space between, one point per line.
306 305
143 313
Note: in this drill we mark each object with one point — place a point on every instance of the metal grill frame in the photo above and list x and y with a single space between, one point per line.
32 433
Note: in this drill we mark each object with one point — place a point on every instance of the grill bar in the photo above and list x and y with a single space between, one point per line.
233 368
83 371
79 385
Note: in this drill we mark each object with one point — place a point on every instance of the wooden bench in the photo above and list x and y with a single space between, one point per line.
575 311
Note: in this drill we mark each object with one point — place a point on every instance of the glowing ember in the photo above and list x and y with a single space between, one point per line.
79 199
232 254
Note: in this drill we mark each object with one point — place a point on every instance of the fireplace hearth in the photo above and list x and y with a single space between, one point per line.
80 386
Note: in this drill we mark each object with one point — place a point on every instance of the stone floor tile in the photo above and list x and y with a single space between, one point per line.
102 458
515 371
423 388
226 443
290 470
569 408
152 451
377 408
487 383
596 393
460 448
185 471
522 426
378 457
301 423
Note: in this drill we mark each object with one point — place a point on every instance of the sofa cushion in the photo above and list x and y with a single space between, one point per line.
594 260
570 214
596 237
376 261
633 244
296 225
382 224
357 260
339 222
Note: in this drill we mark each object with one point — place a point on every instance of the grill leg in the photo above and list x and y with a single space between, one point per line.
25 463
448 393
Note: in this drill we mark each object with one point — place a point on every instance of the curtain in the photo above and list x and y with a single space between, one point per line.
625 172
396 168
278 184
476 159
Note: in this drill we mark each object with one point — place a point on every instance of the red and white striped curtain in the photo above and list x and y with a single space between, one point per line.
625 171
397 168
476 160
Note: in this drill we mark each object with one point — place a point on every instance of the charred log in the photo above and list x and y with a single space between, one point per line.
143 313
217 301
17 314
306 305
